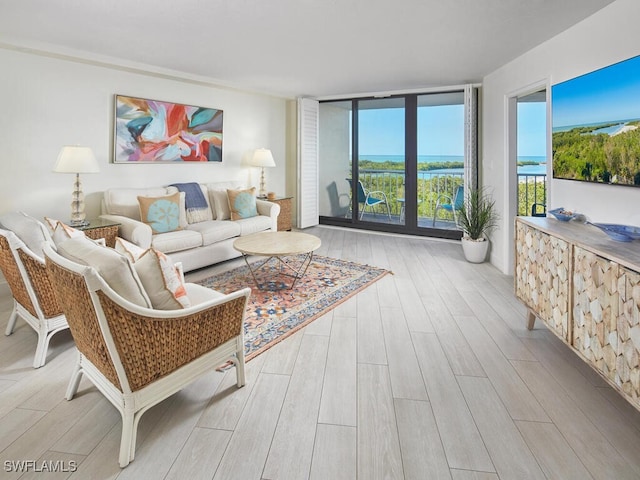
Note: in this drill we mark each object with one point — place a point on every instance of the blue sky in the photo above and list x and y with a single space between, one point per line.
441 130
608 94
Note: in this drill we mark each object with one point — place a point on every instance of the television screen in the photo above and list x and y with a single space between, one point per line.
595 126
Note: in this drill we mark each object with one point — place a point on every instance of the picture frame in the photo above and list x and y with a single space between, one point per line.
155 131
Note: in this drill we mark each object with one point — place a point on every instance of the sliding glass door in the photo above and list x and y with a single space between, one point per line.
393 164
381 161
440 167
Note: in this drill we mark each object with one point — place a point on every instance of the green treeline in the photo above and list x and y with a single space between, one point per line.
580 155
422 166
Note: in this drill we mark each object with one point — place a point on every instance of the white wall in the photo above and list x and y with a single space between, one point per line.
48 102
609 36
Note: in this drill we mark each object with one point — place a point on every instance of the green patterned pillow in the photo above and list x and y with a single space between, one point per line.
242 203
162 214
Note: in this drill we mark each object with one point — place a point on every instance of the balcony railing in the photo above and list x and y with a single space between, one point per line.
532 189
431 185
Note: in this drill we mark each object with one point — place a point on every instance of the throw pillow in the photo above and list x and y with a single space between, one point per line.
161 281
221 204
61 232
132 251
162 214
242 203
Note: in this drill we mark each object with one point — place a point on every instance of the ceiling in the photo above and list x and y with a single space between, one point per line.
317 48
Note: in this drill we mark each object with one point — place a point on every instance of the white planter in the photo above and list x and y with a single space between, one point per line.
475 251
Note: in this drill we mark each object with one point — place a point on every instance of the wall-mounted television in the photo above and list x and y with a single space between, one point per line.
596 126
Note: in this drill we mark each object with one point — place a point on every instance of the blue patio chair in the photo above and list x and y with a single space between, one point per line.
370 199
451 205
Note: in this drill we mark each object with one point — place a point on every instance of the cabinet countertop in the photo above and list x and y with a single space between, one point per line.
590 238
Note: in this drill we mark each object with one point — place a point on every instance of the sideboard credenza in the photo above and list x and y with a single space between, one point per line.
586 288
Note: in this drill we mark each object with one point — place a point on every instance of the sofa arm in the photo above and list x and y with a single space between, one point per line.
269 209
132 230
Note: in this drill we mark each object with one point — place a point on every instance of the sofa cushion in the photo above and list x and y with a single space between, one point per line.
162 214
113 267
256 224
162 281
216 230
242 203
176 241
28 229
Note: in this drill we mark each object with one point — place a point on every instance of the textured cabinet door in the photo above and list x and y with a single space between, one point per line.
595 310
541 277
628 335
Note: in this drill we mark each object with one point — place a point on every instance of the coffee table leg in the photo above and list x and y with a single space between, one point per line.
298 272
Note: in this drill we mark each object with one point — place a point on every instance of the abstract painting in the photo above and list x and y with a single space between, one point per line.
151 131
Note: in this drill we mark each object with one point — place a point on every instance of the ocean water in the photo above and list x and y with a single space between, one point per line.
539 169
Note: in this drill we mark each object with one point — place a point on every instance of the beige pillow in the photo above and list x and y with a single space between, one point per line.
162 214
61 232
132 251
113 267
221 204
242 203
162 281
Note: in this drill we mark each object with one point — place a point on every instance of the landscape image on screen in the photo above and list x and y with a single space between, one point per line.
596 126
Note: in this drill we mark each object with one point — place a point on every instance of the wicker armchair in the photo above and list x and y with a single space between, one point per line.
33 295
138 356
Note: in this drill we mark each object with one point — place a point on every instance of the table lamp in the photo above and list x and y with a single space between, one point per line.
262 157
76 159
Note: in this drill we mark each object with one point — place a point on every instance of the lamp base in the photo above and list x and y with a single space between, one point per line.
78 223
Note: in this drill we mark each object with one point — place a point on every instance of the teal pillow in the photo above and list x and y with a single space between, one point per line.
162 214
242 203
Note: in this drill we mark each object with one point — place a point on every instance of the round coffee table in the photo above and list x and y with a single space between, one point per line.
279 246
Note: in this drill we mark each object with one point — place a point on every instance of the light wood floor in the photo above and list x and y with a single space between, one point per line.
430 373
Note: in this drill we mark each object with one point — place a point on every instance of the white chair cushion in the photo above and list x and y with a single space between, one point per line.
199 294
113 267
161 281
31 231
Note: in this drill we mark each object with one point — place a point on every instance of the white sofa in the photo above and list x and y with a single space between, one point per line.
196 244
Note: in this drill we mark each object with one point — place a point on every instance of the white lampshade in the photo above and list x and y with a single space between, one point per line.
262 157
76 159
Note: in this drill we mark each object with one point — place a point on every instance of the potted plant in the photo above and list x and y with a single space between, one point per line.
477 217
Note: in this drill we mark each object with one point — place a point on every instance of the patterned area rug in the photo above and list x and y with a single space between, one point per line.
275 311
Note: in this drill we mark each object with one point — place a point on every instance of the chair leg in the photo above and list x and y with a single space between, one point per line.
12 319
127 440
41 350
435 214
388 211
75 379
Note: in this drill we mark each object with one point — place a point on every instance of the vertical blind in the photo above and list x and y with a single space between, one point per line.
308 172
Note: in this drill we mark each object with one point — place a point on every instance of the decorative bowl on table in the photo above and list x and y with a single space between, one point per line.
619 233
562 214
